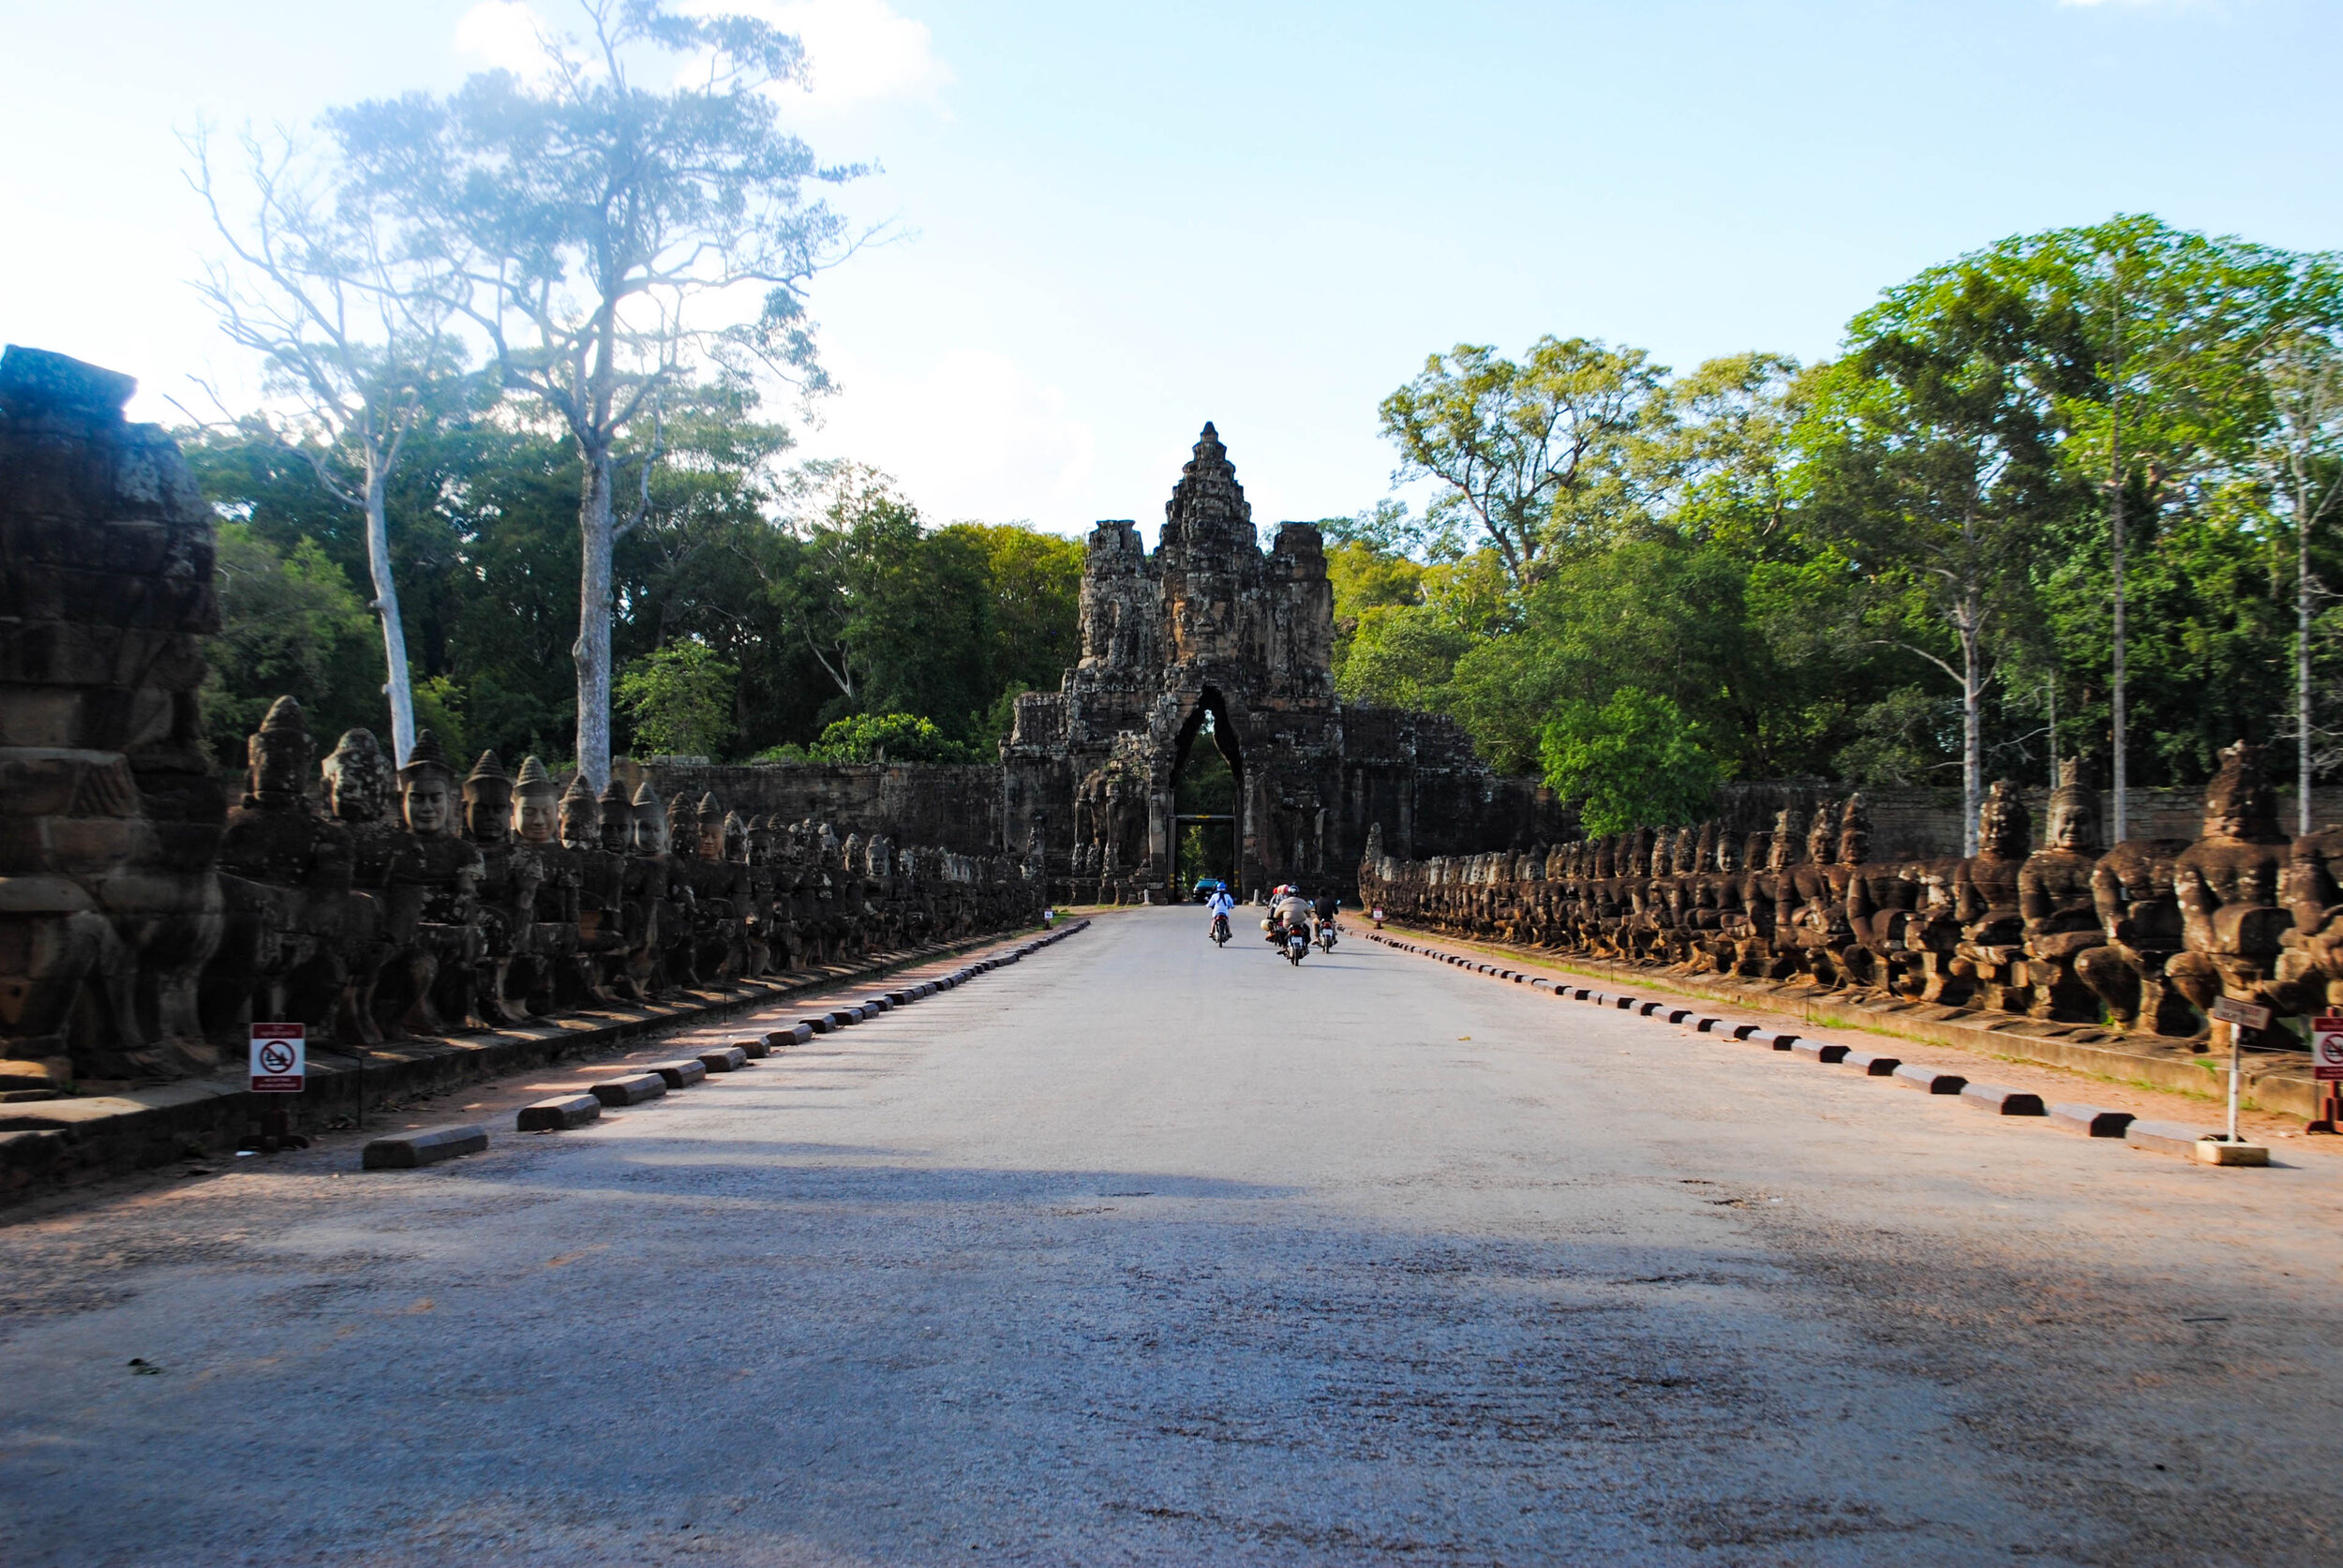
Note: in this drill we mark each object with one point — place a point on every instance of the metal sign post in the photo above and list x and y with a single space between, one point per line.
2240 1017
279 1065
2326 1066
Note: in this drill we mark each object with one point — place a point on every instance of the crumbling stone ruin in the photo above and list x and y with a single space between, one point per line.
2143 938
143 925
1211 623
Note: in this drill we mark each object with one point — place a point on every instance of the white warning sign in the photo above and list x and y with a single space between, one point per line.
2326 1048
280 1058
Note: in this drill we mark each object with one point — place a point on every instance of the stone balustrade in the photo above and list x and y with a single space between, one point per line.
2141 938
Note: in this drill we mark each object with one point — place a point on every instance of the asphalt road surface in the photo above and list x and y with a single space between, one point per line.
1141 1251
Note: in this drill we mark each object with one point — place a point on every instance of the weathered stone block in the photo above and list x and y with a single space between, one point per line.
682 1073
559 1114
404 1151
634 1089
730 1058
1929 1081
2089 1121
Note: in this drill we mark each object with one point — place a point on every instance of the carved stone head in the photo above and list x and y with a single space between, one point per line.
615 811
1789 834
1758 851
683 826
736 843
358 777
487 800
427 789
1704 848
579 825
2004 829
2239 803
708 824
277 758
536 803
650 822
1822 835
1728 854
1855 831
2074 813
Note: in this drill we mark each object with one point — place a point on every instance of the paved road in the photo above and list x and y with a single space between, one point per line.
1140 1251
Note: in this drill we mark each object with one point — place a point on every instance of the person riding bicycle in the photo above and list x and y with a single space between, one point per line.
1219 906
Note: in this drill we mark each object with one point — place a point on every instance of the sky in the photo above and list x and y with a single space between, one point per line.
1108 224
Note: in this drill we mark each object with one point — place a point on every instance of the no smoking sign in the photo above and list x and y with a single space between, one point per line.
280 1058
2326 1048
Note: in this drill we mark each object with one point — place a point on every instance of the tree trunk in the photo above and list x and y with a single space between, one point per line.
2301 661
1972 740
591 652
395 682
2122 779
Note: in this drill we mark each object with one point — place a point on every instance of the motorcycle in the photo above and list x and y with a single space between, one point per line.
1297 943
1326 935
1221 930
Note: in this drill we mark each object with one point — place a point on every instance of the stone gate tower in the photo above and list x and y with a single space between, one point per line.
1211 623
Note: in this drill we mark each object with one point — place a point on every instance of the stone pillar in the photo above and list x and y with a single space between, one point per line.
110 812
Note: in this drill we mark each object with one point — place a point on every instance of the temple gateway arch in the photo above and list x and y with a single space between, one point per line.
1212 623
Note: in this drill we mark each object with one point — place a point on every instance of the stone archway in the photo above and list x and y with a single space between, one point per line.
1213 621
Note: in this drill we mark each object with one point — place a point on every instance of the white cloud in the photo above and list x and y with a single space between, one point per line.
503 34
973 437
858 51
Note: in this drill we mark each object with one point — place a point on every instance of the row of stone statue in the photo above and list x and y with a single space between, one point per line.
2144 936
414 902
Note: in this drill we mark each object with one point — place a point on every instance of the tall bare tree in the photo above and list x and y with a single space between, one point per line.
599 233
2303 464
354 337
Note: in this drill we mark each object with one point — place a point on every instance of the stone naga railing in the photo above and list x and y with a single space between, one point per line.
411 902
2143 938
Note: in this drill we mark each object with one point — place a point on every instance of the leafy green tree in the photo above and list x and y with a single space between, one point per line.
889 737
1935 466
290 626
587 222
678 699
1532 457
1636 760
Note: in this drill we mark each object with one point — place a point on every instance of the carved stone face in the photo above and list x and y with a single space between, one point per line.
2074 824
2002 825
651 829
427 805
279 762
1855 846
618 826
1728 856
577 820
488 811
358 778
1821 841
2239 804
533 815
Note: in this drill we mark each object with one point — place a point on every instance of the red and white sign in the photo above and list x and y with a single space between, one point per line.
2326 1048
280 1058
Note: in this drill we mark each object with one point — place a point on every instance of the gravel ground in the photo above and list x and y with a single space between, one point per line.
1141 1251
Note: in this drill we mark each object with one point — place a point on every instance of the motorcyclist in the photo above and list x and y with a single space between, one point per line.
1219 906
1288 908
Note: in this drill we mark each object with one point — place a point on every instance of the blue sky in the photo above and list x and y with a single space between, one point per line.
1120 222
